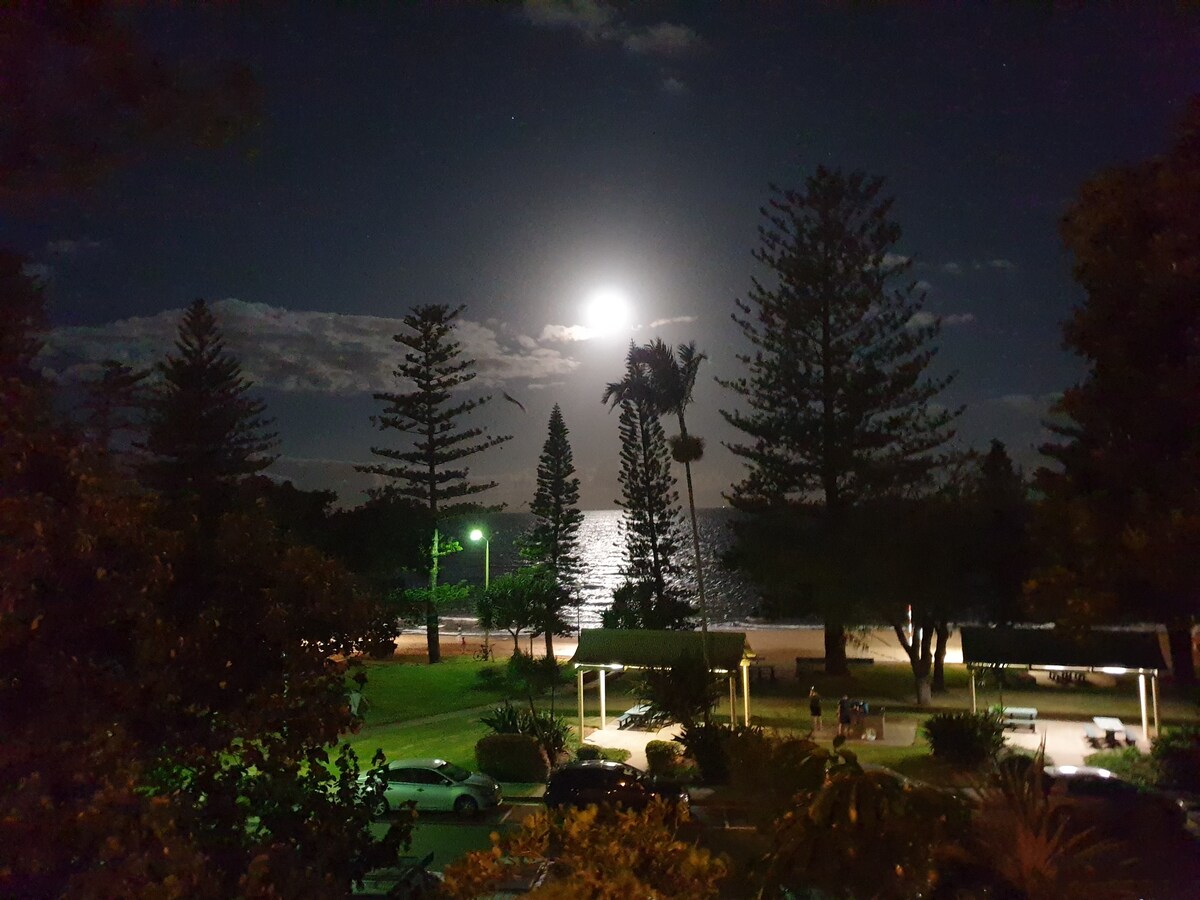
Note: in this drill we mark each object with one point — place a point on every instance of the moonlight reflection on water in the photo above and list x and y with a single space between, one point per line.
730 598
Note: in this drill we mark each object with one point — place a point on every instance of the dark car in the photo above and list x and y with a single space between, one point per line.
600 782
1095 797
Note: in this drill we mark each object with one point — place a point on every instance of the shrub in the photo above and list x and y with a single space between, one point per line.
503 720
512 757
1177 753
1128 762
613 754
490 678
708 743
965 739
662 757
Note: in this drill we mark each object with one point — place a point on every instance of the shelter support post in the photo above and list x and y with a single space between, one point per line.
1154 694
973 706
603 703
579 697
1142 704
732 699
746 691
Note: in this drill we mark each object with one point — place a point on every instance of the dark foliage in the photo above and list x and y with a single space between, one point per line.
552 542
430 470
652 522
204 432
708 744
964 738
684 693
662 757
838 405
1177 753
512 757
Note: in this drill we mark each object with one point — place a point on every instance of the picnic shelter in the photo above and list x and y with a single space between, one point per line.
605 650
1055 650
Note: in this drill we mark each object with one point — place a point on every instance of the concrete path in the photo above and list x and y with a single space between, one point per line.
633 741
1065 744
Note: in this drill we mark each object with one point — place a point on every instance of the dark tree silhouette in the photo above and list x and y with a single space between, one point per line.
1127 470
112 403
672 377
430 471
553 540
204 432
837 397
652 517
1001 500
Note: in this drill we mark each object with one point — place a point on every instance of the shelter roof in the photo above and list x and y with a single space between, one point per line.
1094 649
646 649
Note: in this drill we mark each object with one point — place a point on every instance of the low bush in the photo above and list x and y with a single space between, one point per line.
1177 754
490 678
965 739
613 754
512 757
1129 763
662 757
551 731
708 744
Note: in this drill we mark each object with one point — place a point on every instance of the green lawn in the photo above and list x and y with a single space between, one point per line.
399 691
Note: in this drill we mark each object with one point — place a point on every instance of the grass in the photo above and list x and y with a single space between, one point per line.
400 690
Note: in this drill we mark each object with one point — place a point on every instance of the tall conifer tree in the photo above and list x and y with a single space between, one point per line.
430 471
112 402
553 540
838 402
204 432
653 521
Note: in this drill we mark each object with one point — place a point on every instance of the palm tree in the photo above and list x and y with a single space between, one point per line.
665 377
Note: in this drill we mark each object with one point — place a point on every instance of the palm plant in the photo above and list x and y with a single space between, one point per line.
664 377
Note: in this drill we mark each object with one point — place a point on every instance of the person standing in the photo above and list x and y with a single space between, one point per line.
814 708
843 715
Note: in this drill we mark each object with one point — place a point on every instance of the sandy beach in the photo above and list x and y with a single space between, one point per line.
776 645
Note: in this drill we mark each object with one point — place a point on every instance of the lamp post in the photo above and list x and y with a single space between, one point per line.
477 535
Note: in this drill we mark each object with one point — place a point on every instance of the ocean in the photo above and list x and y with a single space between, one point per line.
731 598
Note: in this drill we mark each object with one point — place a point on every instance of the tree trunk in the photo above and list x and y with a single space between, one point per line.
1179 639
517 649
920 656
835 648
924 691
939 658
432 642
687 468
549 643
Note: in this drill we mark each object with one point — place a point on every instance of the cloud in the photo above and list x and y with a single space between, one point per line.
673 85
952 268
545 386
71 247
923 285
663 39
295 350
599 22
891 260
1001 264
561 334
677 320
924 318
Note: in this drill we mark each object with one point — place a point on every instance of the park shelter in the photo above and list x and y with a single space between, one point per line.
1055 650
605 650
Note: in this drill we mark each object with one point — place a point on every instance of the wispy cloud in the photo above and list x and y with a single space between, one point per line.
924 318
294 350
677 320
952 268
1034 405
564 334
1004 264
71 246
599 22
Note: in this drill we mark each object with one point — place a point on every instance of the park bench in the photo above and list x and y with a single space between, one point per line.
1020 717
817 662
1093 736
762 671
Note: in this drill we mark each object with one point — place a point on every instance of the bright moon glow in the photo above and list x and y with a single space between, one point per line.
607 310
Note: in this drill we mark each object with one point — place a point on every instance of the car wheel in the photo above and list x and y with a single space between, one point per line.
380 808
466 806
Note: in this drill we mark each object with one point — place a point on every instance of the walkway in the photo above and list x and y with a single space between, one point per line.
1065 745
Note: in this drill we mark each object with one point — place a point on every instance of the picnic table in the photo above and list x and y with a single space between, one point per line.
1113 728
634 716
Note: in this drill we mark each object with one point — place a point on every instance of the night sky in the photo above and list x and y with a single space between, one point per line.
516 159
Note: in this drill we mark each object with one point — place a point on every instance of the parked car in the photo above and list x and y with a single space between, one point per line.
431 784
601 781
1096 797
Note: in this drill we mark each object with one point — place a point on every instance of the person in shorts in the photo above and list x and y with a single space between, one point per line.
843 715
814 708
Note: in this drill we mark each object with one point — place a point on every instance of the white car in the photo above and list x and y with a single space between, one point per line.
432 784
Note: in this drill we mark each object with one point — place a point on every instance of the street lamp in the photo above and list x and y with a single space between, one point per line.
477 535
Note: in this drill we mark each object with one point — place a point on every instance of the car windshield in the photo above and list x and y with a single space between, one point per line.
453 772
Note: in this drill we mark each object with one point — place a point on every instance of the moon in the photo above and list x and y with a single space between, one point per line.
607 310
